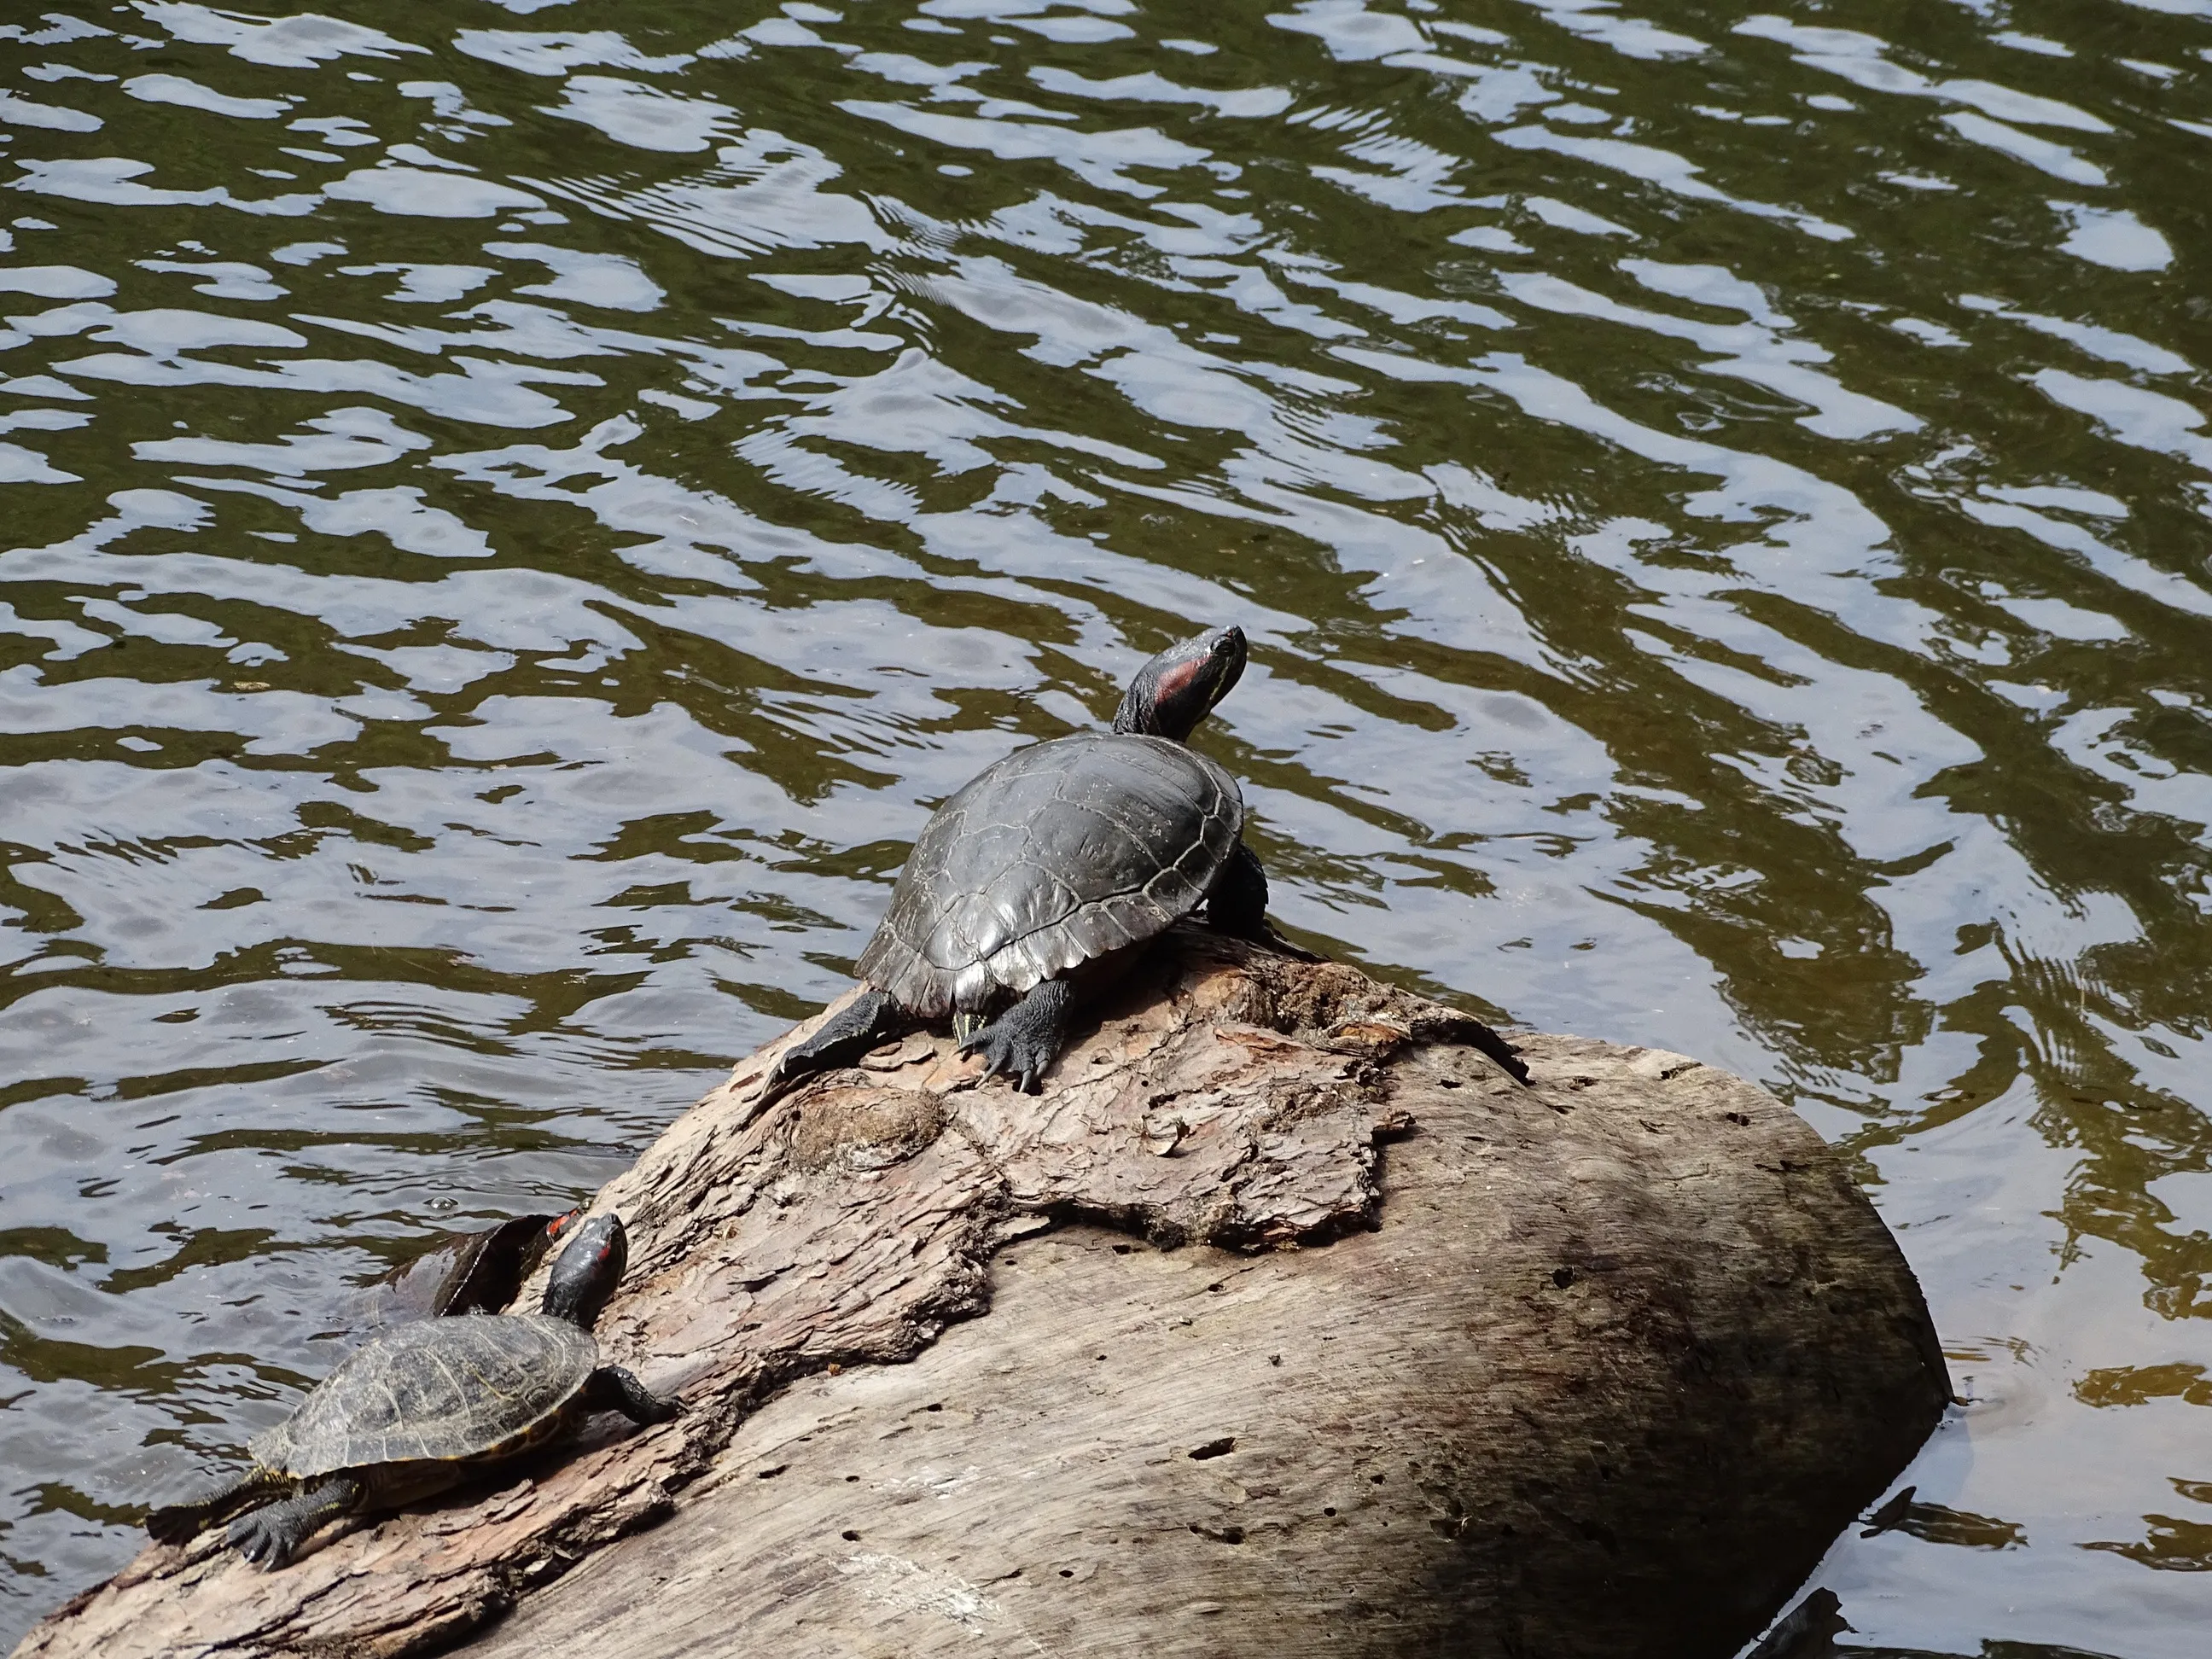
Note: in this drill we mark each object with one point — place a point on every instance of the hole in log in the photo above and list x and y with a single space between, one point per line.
1220 1448
850 1536
1563 1277
770 1474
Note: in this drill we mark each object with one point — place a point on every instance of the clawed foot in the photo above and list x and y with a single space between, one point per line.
1022 1041
270 1535
262 1539
1017 1054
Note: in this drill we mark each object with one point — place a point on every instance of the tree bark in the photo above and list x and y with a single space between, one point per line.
1309 1331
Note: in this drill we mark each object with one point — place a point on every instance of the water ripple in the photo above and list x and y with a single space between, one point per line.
533 509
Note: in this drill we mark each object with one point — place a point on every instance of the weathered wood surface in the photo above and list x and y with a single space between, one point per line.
1594 1368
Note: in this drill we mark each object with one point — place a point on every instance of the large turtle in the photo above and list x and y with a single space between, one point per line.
1064 855
419 1408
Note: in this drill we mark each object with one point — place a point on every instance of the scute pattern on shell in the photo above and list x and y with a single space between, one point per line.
1058 853
440 1389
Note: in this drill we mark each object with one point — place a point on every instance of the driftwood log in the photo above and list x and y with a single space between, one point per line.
1309 1332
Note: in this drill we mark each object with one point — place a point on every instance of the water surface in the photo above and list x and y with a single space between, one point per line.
517 509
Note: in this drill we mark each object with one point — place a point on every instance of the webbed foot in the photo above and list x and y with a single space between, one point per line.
263 1540
1023 1042
269 1536
180 1523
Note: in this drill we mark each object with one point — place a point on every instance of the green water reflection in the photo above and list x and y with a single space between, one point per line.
517 509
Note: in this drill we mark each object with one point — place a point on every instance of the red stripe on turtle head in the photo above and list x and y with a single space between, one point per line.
1176 681
1172 692
585 1273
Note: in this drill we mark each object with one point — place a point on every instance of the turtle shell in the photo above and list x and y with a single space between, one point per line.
1058 853
441 1390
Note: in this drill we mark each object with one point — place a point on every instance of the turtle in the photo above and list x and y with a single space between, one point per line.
465 1272
1048 867
420 1409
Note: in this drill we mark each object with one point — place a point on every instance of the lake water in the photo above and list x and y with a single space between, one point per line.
515 511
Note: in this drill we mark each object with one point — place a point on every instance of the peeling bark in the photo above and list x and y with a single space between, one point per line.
1618 1356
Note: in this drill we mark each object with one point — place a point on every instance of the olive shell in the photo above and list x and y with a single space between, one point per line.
441 1389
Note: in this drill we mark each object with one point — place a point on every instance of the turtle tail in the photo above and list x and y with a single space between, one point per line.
180 1523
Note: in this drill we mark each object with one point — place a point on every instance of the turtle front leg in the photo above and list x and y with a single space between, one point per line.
180 1523
1022 1041
611 1389
1507 1056
269 1536
861 1025
1238 902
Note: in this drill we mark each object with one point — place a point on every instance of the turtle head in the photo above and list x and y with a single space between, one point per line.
587 1270
1176 690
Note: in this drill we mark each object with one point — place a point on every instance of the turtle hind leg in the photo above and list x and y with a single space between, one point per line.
270 1535
859 1026
1239 902
1022 1041
611 1389
180 1523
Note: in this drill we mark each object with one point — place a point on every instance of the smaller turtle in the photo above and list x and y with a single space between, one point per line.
465 1272
421 1407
